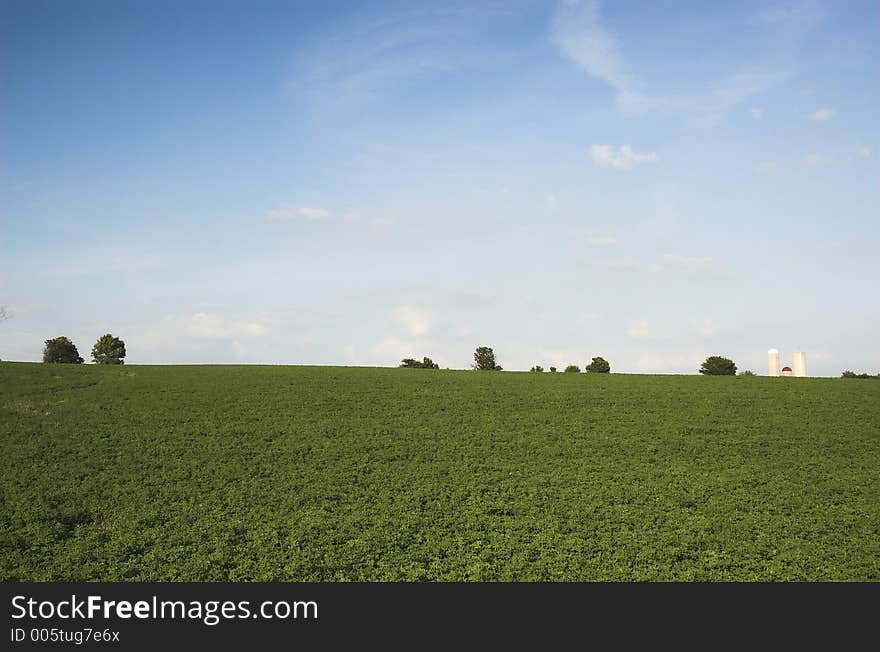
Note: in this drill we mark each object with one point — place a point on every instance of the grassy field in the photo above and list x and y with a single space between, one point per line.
331 473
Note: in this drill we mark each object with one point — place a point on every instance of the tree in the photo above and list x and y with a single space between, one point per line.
61 350
412 363
572 369
484 359
747 373
108 350
598 366
537 369
715 365
552 370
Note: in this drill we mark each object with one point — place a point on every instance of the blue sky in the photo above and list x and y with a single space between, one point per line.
353 182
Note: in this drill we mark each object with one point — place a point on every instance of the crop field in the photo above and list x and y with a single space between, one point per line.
333 474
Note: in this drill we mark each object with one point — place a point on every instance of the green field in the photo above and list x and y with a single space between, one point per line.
331 473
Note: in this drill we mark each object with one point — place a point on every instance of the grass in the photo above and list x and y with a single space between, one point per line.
330 473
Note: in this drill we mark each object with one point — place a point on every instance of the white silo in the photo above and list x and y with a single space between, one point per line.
773 362
799 364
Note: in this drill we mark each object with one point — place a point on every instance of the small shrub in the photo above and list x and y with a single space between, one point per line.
572 369
552 370
412 363
747 373
852 374
537 369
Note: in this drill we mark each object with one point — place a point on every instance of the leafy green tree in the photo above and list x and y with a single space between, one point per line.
552 370
108 350
61 350
598 366
412 363
747 372
484 359
572 369
537 369
715 365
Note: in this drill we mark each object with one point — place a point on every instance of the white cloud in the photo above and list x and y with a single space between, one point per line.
861 152
639 330
381 221
821 115
600 239
578 33
757 113
550 203
13 309
587 317
767 166
625 263
706 327
305 213
622 158
671 362
203 325
695 266
691 266
814 160
415 321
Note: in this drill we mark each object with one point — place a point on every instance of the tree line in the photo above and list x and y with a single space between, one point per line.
484 360
107 350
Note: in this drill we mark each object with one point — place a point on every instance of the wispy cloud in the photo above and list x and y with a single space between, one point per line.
706 327
639 330
861 153
600 239
312 214
814 160
305 213
624 263
767 166
694 266
689 266
579 34
756 113
821 115
620 158
414 320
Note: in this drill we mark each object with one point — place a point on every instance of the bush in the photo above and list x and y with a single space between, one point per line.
747 373
61 350
537 369
598 366
412 363
715 365
552 370
484 359
852 374
108 350
572 369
